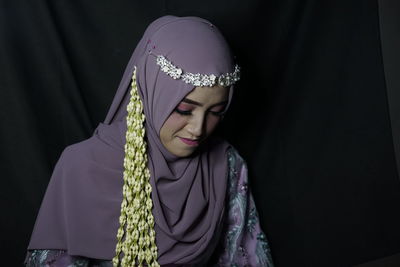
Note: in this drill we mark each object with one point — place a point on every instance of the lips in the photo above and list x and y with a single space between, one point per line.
190 142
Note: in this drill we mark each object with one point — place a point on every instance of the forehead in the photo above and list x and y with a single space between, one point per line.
209 95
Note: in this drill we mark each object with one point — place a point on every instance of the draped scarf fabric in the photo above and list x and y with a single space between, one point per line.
81 206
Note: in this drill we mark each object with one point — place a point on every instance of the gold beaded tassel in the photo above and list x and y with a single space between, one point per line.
136 235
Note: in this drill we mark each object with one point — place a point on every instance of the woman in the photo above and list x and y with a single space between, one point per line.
183 199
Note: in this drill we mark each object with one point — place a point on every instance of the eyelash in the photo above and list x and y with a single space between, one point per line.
189 112
183 112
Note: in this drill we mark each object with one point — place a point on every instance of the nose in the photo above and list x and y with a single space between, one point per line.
197 126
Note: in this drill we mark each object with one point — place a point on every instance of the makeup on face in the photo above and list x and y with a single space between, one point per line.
193 120
187 106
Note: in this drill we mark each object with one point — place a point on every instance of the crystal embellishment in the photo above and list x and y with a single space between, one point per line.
197 79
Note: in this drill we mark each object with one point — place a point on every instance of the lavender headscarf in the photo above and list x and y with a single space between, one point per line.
81 206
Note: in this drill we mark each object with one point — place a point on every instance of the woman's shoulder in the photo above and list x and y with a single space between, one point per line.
235 160
238 173
76 148
233 152
70 162
75 154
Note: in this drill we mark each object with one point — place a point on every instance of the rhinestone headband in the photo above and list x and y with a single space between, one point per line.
198 79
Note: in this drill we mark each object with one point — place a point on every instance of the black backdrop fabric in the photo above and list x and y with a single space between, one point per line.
313 113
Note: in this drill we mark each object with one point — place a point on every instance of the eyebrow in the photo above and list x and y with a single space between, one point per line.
189 101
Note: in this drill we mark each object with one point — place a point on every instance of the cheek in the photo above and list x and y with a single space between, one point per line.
212 122
174 123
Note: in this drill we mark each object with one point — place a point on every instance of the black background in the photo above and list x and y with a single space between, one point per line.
314 115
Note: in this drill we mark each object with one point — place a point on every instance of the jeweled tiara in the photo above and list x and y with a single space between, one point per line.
198 79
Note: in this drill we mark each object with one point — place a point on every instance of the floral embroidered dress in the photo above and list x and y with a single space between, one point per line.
242 241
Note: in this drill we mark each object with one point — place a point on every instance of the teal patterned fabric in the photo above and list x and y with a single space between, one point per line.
242 241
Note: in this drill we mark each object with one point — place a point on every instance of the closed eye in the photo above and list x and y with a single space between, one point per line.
183 112
218 110
218 113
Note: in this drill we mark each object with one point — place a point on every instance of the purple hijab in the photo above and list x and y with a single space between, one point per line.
81 207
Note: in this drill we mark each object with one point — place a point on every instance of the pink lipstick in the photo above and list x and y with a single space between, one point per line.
189 142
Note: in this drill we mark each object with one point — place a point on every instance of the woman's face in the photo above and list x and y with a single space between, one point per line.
193 119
